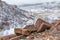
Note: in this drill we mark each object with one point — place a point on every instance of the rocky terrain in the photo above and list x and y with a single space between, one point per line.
12 16
40 30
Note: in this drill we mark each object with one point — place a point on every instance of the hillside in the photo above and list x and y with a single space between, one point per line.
11 16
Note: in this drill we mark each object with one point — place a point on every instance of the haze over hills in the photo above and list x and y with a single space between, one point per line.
45 5
49 11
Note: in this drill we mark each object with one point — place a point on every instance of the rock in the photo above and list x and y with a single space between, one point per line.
41 25
5 38
38 23
20 31
31 28
21 37
8 37
25 32
56 25
16 38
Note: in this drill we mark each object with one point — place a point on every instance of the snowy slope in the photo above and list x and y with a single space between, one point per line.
11 17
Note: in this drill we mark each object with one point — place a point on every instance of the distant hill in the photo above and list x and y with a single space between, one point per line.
45 5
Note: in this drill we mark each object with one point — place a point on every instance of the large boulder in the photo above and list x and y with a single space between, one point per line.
41 25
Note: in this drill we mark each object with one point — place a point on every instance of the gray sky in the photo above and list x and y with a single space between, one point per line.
27 1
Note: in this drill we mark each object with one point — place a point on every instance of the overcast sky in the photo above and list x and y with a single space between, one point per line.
27 1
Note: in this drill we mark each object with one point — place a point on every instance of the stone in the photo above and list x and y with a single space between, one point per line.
41 25
20 31
8 37
55 24
25 32
31 28
38 23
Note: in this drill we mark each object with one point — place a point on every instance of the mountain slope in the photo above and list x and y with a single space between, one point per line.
11 17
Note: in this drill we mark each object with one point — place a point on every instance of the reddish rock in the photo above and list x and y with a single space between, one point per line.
57 22
8 37
16 38
20 31
41 25
55 27
38 23
25 32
